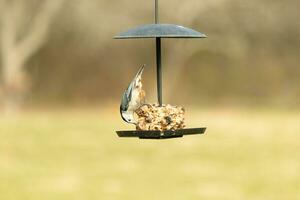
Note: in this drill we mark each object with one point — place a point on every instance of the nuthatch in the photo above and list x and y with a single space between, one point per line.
132 98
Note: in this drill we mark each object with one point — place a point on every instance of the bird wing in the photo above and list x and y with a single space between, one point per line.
126 98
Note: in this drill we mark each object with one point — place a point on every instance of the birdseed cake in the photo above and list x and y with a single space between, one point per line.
154 117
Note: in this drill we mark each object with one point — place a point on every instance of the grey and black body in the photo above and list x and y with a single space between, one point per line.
132 98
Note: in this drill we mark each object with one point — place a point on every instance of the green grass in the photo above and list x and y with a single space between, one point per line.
72 155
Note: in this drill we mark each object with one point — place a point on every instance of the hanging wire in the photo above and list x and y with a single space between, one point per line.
156 12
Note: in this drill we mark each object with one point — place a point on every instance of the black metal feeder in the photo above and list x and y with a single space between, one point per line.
159 31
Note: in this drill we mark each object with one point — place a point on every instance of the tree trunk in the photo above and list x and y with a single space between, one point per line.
14 84
18 46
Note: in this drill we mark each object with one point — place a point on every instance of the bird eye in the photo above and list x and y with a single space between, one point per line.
129 120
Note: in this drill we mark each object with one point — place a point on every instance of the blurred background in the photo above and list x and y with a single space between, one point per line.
62 76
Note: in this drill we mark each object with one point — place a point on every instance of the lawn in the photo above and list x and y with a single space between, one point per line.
75 155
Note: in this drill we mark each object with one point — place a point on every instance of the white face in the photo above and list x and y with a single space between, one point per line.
128 117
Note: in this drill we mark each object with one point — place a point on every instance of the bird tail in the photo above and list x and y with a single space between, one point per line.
139 73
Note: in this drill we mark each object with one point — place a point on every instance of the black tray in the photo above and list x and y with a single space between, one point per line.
161 134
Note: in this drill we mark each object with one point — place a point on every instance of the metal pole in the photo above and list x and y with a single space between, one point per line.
158 71
158 59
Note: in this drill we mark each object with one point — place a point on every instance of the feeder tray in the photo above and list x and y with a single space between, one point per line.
161 134
159 31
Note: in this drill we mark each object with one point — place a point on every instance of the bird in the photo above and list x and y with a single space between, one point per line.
133 97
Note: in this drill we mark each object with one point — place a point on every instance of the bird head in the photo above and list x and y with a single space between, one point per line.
128 117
